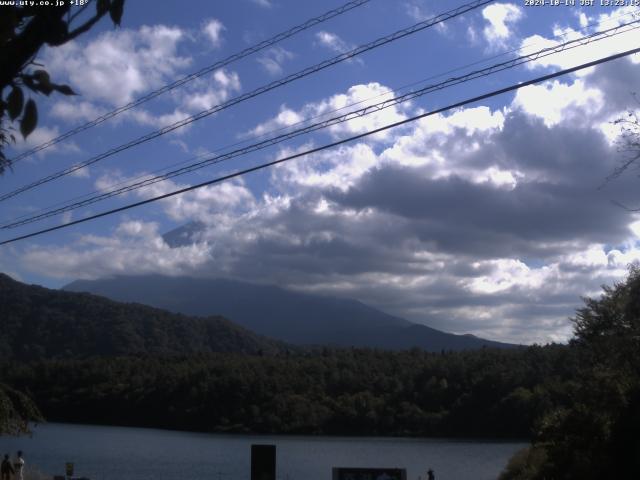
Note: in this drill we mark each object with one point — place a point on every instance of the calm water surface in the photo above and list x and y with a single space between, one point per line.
119 453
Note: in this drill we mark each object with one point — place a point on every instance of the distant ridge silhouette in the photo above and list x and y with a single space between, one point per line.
294 317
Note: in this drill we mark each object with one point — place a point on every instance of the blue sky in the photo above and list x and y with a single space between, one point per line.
487 219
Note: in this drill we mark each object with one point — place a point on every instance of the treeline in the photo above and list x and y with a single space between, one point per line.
484 393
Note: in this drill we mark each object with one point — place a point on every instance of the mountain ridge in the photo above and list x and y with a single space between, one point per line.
293 317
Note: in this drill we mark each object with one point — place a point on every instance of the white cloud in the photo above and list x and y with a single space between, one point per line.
195 97
114 178
132 243
340 168
583 19
75 111
274 58
418 12
213 29
145 117
208 204
508 273
119 65
472 35
336 44
500 17
332 42
356 97
498 177
598 47
42 135
204 204
263 3
83 172
555 101
203 95
285 118
419 147
141 60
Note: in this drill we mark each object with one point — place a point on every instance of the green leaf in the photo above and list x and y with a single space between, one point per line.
102 6
29 119
15 102
116 10
42 76
45 88
64 89
28 81
44 82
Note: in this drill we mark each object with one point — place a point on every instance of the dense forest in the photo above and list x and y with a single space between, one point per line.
362 392
578 403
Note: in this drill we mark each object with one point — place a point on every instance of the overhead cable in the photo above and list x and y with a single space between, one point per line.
367 110
262 166
192 76
324 114
254 93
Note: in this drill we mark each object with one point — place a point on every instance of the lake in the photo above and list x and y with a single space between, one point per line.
120 453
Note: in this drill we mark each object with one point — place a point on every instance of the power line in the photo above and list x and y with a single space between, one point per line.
324 114
147 181
254 93
264 135
329 145
192 76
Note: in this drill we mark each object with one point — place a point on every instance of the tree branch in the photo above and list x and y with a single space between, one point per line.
84 27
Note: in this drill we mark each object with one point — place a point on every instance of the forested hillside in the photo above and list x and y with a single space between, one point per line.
43 323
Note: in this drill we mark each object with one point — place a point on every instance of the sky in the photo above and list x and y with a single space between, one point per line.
493 219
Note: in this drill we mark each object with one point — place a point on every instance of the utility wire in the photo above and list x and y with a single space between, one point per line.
192 76
264 135
314 117
367 110
329 145
254 93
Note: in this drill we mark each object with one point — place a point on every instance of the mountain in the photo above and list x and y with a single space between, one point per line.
184 235
41 323
293 317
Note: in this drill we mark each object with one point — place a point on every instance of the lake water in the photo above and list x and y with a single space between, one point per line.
120 453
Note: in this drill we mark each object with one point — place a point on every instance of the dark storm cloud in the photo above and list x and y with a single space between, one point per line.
326 244
620 79
538 217
461 216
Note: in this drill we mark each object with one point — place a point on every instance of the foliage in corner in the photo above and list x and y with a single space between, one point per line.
24 29
16 411
595 432
628 142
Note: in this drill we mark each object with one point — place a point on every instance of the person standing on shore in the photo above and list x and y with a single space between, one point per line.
18 466
6 470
